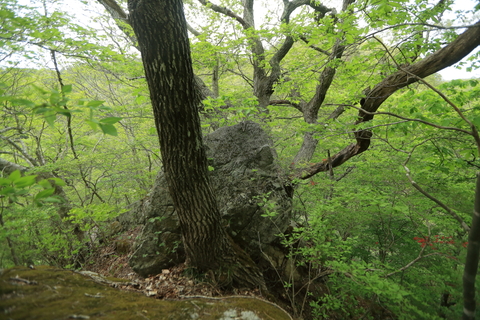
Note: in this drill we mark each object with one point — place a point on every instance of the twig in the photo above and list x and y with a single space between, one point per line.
437 201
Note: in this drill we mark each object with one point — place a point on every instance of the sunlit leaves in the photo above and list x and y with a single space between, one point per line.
16 186
23 182
58 103
105 124
30 32
94 104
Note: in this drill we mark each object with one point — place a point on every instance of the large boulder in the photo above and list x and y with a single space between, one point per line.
252 194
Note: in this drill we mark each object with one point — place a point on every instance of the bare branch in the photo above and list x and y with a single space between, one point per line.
23 152
193 30
227 12
416 120
432 26
10 128
120 17
349 169
286 102
445 57
8 167
474 131
69 116
411 263
325 52
437 201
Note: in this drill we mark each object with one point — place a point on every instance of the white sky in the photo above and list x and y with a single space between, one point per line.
451 73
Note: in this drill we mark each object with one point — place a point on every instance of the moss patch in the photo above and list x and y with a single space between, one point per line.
51 293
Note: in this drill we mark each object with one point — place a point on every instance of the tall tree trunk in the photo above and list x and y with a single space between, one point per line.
471 261
161 31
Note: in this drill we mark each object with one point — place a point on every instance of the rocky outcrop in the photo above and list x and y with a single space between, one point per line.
252 195
46 293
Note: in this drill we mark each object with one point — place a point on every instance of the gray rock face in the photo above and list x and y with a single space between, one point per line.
250 192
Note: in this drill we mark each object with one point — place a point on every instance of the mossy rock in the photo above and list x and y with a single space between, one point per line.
52 293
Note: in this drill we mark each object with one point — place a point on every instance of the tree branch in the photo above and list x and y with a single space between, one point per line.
8 167
120 17
445 57
23 152
11 128
471 261
193 30
325 52
416 120
227 12
285 102
411 263
437 201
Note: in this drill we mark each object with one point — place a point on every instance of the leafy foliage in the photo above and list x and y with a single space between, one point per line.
80 138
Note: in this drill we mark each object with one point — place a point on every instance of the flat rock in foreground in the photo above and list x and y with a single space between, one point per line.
52 293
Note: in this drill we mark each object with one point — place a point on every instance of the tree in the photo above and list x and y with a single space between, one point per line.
341 31
175 101
266 76
39 112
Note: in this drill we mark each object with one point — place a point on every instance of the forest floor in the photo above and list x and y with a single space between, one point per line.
111 261
172 283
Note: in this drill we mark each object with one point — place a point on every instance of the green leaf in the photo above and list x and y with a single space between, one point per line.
45 184
110 120
44 193
93 124
140 99
39 89
23 102
15 175
7 190
108 129
41 109
4 182
55 98
95 103
25 181
59 182
476 121
50 118
67 88
65 113
53 200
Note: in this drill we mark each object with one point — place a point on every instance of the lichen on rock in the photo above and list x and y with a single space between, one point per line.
46 293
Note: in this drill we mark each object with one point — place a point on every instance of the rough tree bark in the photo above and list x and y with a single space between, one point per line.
121 17
161 30
471 261
310 109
